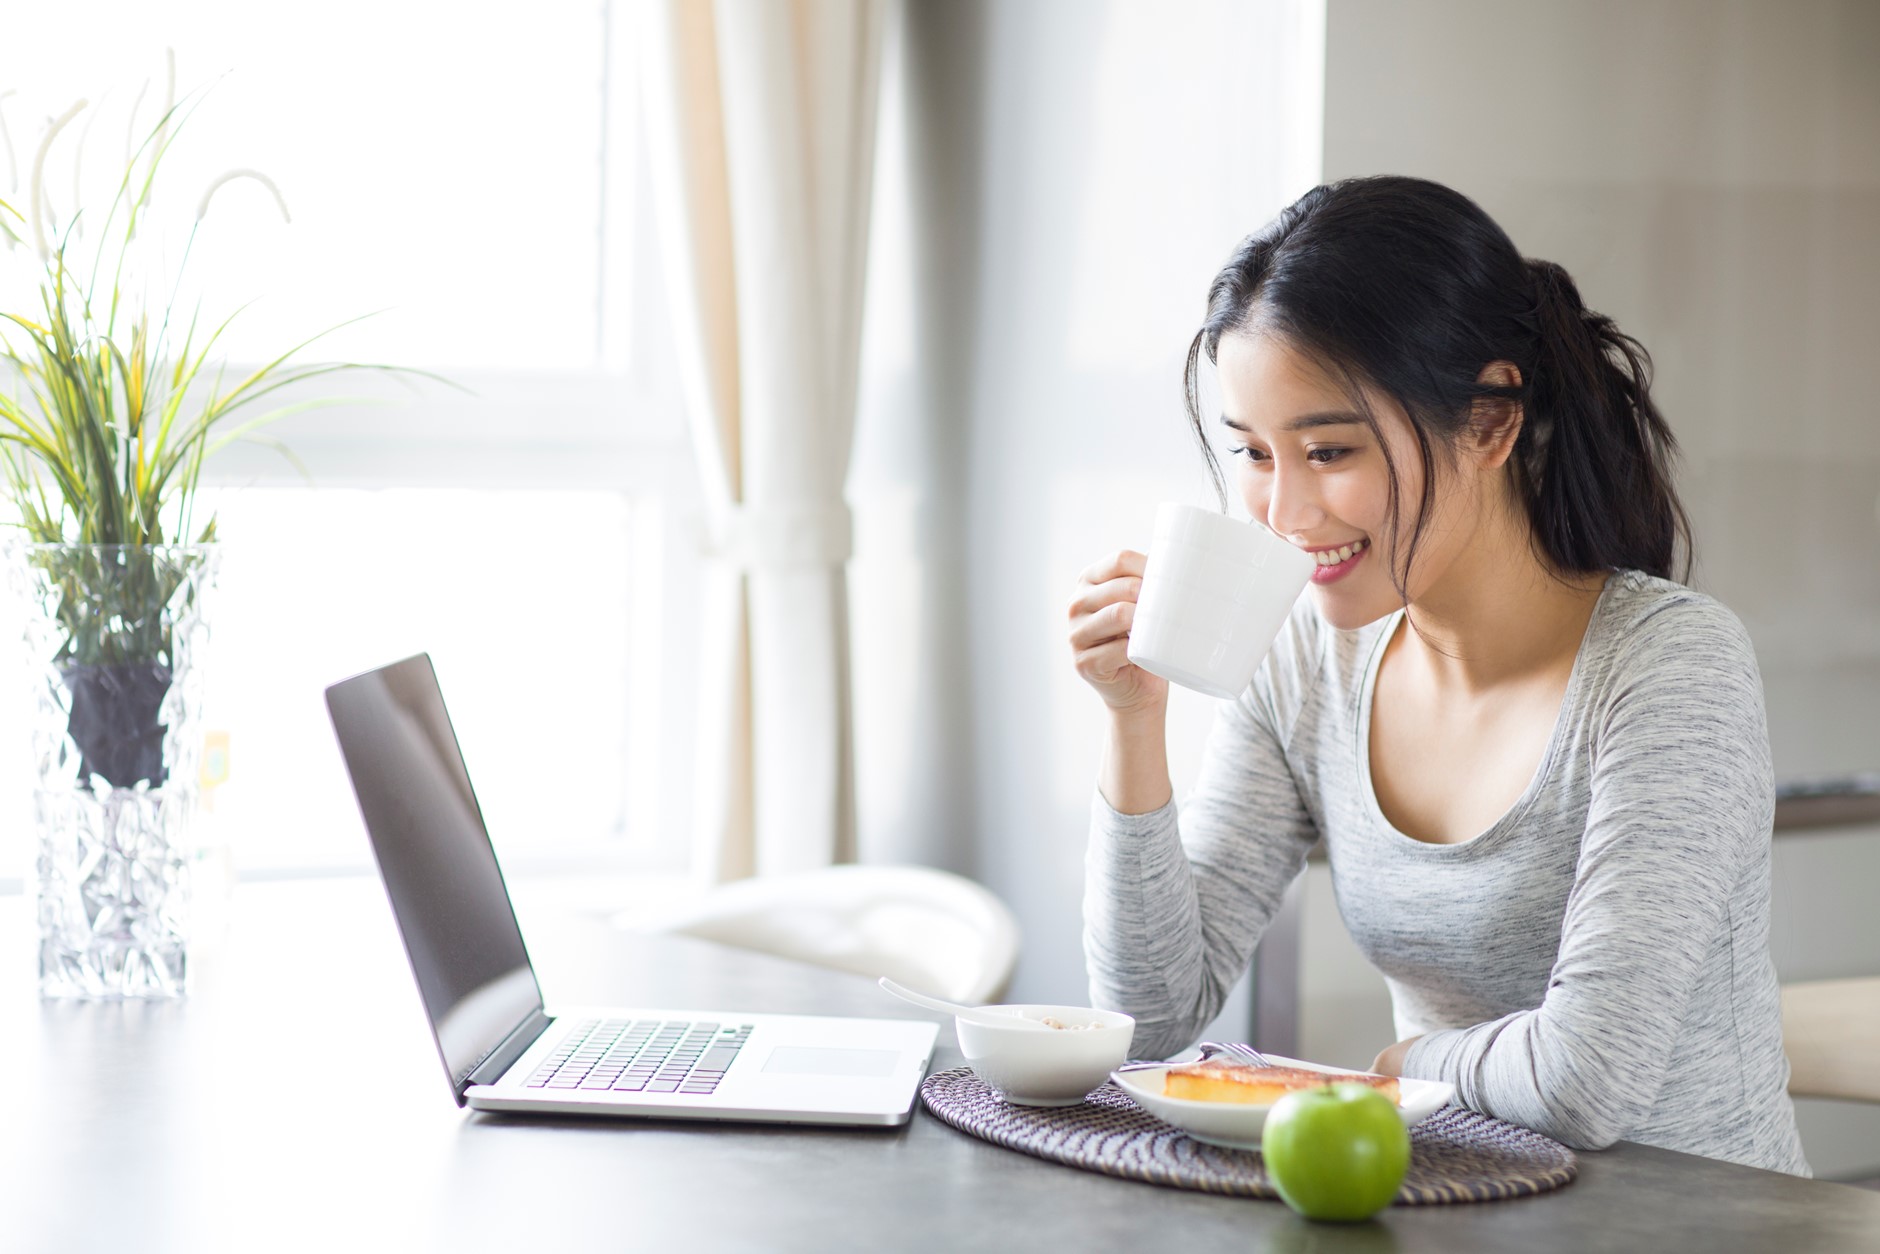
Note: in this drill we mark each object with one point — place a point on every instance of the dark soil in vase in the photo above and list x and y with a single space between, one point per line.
115 720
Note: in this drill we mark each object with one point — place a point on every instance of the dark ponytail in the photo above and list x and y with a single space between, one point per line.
1408 287
1594 438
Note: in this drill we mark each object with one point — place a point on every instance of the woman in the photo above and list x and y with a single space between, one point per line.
1538 765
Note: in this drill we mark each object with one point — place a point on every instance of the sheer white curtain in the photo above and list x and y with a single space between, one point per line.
760 127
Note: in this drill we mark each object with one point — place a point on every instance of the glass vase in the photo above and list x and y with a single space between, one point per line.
114 634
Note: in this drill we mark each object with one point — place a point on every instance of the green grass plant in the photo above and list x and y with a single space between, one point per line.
114 404
119 404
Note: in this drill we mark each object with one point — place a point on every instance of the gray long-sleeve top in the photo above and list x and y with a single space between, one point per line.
1594 966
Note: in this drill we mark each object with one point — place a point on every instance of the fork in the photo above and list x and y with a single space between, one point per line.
1212 1049
1235 1050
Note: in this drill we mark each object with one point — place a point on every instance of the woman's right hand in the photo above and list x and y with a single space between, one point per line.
1102 613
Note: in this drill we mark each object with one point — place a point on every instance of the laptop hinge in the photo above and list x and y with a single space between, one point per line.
504 1056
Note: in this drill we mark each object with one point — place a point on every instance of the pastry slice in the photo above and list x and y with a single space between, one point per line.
1220 1081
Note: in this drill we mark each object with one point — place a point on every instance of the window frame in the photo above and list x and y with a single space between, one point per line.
586 430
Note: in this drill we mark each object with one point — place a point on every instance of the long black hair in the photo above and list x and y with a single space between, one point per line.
1409 287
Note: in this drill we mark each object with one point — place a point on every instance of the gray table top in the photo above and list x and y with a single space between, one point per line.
295 1101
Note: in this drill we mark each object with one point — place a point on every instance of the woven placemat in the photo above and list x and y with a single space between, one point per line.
1456 1155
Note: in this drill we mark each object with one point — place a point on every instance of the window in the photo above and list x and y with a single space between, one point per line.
533 527
541 610
444 162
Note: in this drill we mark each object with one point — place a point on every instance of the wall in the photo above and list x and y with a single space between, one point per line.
1059 183
1709 173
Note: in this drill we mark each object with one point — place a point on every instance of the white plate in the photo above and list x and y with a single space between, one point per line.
1238 1126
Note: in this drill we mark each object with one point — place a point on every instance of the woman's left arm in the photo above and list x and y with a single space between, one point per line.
1682 796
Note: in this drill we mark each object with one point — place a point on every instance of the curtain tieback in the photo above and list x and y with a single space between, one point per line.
767 536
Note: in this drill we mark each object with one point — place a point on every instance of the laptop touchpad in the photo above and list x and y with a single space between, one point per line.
804 1060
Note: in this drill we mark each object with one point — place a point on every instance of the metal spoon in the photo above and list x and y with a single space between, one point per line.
972 1014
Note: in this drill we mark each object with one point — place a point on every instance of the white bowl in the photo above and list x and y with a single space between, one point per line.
1238 1126
1030 1066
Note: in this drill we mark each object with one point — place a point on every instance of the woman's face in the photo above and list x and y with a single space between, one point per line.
1310 469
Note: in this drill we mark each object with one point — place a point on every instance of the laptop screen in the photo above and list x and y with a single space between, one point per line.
434 854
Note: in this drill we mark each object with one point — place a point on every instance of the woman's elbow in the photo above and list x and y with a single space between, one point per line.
1165 1024
1586 1094
1157 1034
1585 1136
1586 1124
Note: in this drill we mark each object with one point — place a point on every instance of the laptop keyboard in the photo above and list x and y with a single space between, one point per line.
642 1056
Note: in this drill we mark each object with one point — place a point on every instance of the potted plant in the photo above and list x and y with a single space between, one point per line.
113 407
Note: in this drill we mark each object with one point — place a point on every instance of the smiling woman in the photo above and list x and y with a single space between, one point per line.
1539 767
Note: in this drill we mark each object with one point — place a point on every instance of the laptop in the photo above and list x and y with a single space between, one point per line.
502 1049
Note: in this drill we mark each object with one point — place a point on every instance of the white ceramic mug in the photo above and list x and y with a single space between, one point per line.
1215 593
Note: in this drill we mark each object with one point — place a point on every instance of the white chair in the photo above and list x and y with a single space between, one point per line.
1831 1033
1831 1028
931 930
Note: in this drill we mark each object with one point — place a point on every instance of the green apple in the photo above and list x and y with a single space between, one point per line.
1336 1152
